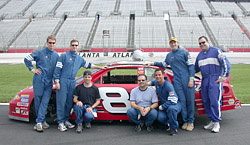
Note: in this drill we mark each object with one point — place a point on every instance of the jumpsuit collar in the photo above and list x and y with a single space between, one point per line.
72 53
174 51
48 51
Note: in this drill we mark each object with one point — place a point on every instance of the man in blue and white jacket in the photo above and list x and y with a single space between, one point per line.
67 67
170 106
215 68
42 81
183 80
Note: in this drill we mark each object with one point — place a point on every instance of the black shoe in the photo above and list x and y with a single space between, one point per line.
150 127
138 127
173 131
167 127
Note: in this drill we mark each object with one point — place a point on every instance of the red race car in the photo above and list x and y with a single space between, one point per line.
115 85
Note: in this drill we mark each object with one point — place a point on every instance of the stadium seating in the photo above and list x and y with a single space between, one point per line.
25 24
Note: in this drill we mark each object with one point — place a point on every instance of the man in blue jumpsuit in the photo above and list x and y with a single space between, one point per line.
67 67
183 68
170 106
42 81
214 67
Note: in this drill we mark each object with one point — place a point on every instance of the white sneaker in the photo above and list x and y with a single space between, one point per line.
45 125
69 125
38 127
62 127
216 127
209 126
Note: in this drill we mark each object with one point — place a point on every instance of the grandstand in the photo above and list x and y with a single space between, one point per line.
123 25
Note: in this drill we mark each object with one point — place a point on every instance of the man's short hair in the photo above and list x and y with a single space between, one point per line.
158 69
203 37
87 72
74 41
142 75
52 37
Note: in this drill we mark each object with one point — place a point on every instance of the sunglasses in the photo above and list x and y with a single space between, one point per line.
202 42
52 42
74 45
141 80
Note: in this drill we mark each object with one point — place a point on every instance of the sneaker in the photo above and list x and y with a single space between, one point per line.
88 125
150 127
173 131
45 125
216 127
79 128
69 125
184 126
38 127
62 127
138 127
190 127
209 126
167 127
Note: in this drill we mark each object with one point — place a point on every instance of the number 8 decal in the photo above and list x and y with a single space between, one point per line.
107 101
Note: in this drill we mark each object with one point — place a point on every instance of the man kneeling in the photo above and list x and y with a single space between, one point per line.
86 98
143 101
170 106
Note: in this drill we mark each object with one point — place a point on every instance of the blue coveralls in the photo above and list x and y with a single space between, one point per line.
213 64
170 104
66 69
183 68
42 84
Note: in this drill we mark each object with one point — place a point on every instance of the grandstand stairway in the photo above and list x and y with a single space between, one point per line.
214 12
117 7
209 31
15 36
22 13
169 26
84 11
53 11
149 11
91 35
131 33
181 10
241 25
245 12
4 4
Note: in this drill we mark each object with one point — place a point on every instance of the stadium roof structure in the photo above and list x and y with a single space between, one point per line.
123 25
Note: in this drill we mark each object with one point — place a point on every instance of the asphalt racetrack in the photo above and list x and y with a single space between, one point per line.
235 130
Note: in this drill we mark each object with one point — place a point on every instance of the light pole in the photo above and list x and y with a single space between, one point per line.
27 41
243 40
231 35
76 35
2 39
63 41
139 33
192 32
38 35
152 37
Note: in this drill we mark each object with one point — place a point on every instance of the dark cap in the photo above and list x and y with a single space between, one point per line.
87 72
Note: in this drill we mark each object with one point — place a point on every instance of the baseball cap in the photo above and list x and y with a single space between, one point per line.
87 72
173 39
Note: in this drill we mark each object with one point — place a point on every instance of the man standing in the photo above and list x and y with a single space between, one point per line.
170 106
42 81
143 101
86 98
214 67
183 68
66 69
